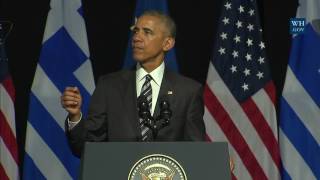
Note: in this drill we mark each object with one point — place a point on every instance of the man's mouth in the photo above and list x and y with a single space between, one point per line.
137 48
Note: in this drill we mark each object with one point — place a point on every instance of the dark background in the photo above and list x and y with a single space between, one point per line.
108 25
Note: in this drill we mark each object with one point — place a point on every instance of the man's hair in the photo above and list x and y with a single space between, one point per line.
167 20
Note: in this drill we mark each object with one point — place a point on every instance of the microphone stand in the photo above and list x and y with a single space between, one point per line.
154 124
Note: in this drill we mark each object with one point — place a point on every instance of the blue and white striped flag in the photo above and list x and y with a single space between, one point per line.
64 61
141 6
300 114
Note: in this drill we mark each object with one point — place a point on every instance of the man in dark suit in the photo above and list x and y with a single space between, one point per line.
113 114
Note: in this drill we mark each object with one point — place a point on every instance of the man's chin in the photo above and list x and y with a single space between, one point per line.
138 59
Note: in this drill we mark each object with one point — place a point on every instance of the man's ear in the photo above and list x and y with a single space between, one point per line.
168 43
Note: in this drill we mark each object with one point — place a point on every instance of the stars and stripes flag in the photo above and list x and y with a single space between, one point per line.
141 6
64 61
240 95
299 133
9 161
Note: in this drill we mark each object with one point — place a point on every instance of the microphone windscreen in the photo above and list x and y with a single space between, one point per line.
143 104
164 102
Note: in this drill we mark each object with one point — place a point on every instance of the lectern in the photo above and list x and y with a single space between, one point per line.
155 161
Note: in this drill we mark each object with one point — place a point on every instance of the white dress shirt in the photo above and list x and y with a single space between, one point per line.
157 76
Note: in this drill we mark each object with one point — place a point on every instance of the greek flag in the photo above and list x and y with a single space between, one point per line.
300 114
64 61
141 6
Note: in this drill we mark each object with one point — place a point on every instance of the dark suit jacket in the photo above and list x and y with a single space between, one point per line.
113 115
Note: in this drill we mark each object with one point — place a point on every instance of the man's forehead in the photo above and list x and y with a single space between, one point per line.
147 21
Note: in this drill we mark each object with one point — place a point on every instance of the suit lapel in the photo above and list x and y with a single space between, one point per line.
130 101
166 90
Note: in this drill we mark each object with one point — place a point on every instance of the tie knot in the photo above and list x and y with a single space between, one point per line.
148 78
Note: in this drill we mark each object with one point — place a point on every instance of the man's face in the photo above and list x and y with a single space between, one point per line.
149 39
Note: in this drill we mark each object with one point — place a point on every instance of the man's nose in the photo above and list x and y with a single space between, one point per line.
136 37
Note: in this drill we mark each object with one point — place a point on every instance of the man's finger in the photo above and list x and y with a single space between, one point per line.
70 96
69 103
72 89
76 90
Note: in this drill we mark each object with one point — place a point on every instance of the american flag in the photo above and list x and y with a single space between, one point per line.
240 95
8 144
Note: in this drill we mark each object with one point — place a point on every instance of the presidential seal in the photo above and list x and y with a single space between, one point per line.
157 167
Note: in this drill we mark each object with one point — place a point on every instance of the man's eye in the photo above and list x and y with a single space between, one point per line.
134 30
147 32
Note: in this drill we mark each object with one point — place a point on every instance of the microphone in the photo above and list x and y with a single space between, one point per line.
143 107
145 115
164 117
154 124
165 112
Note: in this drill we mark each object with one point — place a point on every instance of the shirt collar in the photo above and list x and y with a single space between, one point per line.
156 74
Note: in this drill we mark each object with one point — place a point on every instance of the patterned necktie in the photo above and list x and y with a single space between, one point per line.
146 91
